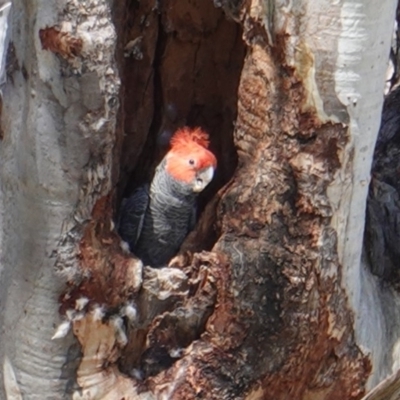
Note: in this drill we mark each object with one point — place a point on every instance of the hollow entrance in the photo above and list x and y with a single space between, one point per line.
182 64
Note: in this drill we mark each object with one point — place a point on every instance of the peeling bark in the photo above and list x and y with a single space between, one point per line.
58 121
388 389
264 299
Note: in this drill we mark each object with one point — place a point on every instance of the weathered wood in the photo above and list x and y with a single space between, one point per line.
388 389
276 304
58 118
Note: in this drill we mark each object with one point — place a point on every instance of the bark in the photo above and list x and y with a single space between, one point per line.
58 121
388 389
268 297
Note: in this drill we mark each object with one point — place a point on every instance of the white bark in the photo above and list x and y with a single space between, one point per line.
342 57
363 55
359 35
347 45
55 155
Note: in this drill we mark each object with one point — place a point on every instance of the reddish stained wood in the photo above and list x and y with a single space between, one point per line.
281 327
58 42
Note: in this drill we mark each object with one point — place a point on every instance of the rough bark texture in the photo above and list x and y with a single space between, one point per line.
58 119
382 222
388 389
381 240
272 296
273 309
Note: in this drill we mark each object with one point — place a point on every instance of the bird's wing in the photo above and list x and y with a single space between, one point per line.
132 213
193 219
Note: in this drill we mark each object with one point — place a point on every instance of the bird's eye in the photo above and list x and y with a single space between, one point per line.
191 161
199 181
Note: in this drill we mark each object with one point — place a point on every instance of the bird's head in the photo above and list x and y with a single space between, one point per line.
189 160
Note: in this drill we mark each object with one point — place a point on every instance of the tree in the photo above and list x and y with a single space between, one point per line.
268 297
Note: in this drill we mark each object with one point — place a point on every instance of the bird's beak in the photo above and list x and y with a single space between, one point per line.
203 178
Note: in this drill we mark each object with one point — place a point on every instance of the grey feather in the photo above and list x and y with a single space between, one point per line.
167 220
132 214
156 220
193 219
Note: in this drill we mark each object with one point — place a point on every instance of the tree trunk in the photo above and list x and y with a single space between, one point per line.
268 298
